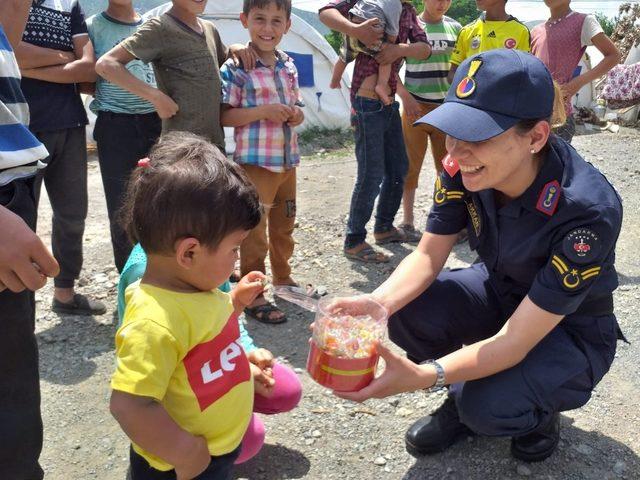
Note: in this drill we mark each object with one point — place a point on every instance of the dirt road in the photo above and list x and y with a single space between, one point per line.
326 438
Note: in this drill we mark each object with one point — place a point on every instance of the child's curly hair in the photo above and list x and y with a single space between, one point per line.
188 188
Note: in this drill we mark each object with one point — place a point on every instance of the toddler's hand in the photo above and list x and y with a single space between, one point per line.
297 116
261 357
165 106
263 381
248 289
277 112
196 463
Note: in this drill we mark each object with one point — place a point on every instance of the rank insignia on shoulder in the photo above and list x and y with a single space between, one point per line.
549 197
572 278
442 194
581 245
450 164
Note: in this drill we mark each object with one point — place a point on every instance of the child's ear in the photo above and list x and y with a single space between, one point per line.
243 20
288 26
186 250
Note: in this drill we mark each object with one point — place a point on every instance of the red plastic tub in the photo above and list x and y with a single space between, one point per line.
340 374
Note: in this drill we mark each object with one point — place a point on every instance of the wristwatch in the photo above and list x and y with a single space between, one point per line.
440 380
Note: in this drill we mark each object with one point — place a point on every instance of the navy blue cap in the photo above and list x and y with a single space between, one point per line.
491 92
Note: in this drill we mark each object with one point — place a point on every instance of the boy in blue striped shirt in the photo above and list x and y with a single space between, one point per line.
25 262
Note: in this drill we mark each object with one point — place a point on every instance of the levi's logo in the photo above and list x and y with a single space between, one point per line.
215 367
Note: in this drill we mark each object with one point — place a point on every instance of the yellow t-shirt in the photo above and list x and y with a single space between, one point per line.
482 35
183 350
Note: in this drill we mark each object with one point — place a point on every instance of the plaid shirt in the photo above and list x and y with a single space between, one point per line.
264 143
410 31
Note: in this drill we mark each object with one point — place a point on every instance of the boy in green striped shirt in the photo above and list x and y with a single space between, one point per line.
425 86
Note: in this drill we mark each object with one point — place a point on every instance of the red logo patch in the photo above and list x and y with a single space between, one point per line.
549 197
215 367
450 164
510 43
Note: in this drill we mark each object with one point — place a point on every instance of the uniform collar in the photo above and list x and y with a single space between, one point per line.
552 171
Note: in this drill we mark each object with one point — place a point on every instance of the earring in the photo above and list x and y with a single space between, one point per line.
533 150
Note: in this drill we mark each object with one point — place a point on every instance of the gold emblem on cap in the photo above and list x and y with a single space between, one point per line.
468 85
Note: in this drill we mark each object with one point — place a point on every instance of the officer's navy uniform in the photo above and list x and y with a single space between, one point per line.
555 243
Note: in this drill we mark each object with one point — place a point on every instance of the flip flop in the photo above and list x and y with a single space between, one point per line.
396 236
411 234
367 255
262 313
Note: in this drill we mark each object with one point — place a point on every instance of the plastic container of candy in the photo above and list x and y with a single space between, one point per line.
342 353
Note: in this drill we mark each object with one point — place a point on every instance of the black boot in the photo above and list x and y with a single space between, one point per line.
539 444
436 432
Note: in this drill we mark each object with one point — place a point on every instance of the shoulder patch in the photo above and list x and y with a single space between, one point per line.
581 245
450 164
570 277
549 197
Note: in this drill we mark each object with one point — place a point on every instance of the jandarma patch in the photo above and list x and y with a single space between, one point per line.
549 197
581 245
474 216
441 194
572 278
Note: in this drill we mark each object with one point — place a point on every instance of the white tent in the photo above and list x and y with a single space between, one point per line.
311 52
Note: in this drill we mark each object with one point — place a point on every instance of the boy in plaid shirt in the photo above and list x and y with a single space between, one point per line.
262 106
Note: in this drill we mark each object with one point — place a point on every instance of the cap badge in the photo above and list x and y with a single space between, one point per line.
468 85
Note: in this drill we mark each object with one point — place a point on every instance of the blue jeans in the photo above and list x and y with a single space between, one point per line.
382 167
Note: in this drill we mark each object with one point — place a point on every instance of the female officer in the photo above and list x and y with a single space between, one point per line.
529 330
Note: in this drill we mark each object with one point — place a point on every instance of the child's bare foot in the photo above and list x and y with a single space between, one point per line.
383 93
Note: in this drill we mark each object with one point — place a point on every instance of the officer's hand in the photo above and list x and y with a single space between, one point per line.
400 375
25 263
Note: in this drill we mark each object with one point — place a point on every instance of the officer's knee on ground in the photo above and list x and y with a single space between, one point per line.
490 410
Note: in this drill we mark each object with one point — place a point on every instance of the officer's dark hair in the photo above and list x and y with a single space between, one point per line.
285 5
558 115
187 188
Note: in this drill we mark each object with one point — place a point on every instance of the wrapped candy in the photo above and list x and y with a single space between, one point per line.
342 354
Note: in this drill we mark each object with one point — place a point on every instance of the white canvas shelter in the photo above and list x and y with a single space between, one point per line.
312 54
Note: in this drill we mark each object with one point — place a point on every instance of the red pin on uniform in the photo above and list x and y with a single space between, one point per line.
450 164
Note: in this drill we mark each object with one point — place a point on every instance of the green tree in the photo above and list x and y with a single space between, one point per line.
607 24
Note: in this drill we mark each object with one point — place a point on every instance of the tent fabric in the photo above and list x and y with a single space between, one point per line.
312 54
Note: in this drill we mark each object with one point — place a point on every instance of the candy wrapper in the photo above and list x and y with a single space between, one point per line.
342 354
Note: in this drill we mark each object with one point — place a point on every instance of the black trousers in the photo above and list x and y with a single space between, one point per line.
20 420
558 374
220 468
122 140
66 181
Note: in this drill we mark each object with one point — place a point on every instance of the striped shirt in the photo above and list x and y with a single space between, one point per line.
20 151
264 143
426 79
105 33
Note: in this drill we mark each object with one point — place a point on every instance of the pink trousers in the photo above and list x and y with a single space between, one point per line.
286 396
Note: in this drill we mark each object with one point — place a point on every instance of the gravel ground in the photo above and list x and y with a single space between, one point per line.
327 438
